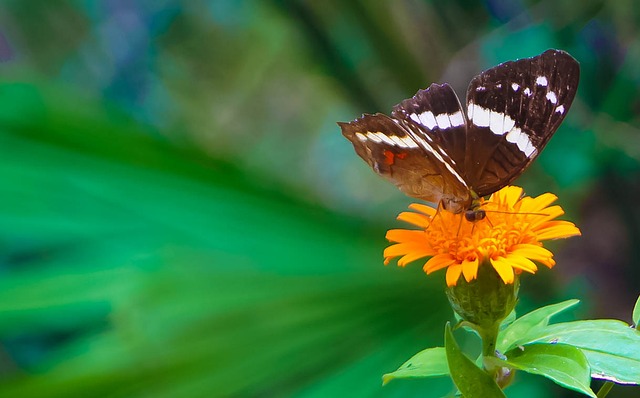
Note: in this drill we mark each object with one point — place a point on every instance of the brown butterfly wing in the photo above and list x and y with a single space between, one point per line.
390 147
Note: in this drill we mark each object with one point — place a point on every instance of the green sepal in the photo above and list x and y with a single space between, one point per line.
486 300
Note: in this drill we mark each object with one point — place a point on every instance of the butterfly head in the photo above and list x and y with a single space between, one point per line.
474 213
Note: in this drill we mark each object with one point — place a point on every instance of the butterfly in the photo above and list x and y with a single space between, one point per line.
435 150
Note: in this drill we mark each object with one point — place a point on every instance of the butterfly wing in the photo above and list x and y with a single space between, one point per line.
389 146
435 116
432 152
513 110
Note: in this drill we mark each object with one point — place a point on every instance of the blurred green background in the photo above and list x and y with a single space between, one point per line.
181 217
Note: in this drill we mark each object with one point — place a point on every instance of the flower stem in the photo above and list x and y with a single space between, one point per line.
489 337
503 376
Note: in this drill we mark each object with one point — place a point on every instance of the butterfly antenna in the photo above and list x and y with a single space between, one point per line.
510 212
488 220
513 212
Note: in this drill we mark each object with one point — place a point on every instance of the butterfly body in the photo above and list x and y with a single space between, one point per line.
436 150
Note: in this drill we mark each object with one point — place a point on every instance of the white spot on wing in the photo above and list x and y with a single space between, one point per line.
481 88
409 142
424 143
361 137
529 150
397 141
521 139
551 96
373 137
513 135
527 92
499 123
515 86
478 115
443 121
427 119
541 81
380 137
404 142
508 124
560 109
496 123
456 119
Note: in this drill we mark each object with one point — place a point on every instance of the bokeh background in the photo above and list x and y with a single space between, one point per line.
181 217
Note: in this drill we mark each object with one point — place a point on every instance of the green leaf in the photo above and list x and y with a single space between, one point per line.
636 313
564 364
530 324
470 379
431 362
611 347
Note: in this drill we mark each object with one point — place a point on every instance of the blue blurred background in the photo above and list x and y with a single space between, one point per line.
181 217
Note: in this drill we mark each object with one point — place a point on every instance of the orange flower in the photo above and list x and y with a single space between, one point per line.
509 237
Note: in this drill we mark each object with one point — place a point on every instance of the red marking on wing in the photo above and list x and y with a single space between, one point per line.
388 157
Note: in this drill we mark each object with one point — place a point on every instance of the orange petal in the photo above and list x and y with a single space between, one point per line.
438 262
453 274
424 209
400 249
405 235
544 215
413 256
534 252
504 269
521 263
419 220
470 269
537 204
557 230
509 196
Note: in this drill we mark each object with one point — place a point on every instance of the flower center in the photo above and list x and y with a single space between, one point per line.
491 237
